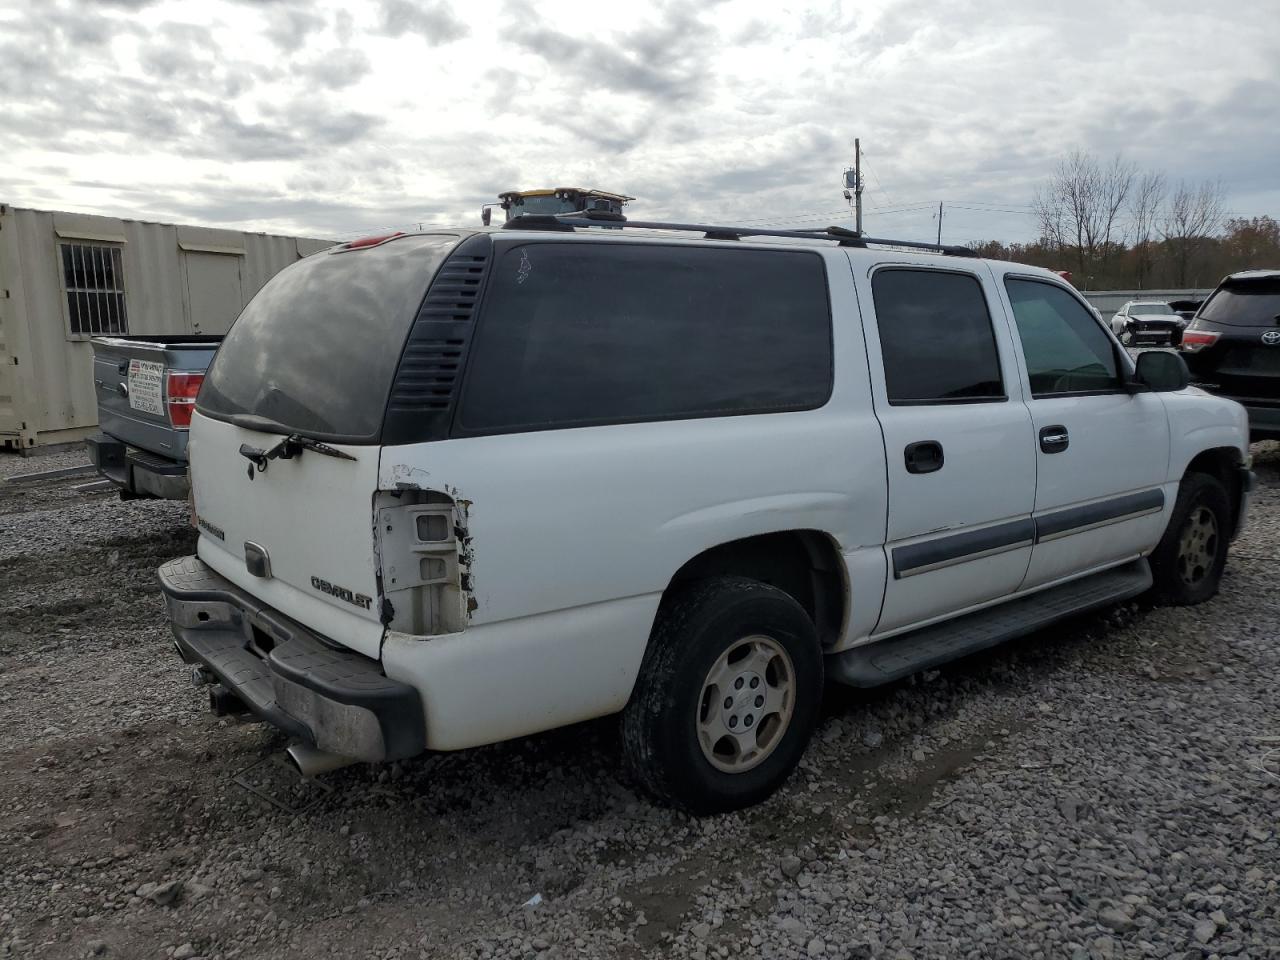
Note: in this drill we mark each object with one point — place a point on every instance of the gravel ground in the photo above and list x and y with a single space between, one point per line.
1107 788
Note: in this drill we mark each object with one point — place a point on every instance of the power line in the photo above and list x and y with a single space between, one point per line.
913 209
993 203
785 217
1020 213
876 178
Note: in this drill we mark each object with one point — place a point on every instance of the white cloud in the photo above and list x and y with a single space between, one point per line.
333 118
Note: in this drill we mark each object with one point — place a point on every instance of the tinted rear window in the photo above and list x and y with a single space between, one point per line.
317 347
575 334
936 338
1252 303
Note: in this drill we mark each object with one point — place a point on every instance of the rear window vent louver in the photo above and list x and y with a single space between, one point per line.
426 383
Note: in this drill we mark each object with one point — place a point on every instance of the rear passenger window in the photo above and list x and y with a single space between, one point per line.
1066 349
576 334
936 338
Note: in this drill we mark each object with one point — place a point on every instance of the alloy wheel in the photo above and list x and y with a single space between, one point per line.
747 700
1197 546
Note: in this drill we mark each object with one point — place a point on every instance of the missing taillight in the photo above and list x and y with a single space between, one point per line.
424 557
433 527
181 390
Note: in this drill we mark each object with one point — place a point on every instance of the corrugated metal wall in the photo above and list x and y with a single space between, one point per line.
1109 302
177 279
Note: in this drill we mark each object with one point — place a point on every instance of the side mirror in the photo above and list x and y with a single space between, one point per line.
486 214
1162 371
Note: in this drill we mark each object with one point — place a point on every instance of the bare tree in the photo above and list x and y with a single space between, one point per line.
1079 208
1145 203
1195 213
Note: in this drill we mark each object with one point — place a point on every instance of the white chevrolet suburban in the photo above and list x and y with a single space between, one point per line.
457 487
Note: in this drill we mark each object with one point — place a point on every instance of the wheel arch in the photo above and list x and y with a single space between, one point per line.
1223 464
804 563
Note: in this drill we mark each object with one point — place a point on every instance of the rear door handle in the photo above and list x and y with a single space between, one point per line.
923 456
1054 439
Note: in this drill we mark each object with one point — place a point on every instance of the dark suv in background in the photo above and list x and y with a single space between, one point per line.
1233 347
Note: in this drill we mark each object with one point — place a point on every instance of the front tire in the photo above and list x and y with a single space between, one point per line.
1187 565
727 696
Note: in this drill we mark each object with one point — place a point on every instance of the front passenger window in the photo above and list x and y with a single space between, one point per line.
1065 348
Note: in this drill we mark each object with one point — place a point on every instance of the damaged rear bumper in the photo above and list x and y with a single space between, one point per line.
328 697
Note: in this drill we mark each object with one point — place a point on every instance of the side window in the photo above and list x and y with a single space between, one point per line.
576 334
1065 347
93 278
936 337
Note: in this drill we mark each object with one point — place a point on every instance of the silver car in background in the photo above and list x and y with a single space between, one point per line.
1147 322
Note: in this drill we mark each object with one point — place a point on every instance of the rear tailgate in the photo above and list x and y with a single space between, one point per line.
1241 364
287 433
312 516
130 377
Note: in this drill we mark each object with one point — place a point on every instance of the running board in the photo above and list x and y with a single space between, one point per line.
887 660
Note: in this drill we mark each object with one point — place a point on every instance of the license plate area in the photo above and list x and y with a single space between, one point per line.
1251 361
145 383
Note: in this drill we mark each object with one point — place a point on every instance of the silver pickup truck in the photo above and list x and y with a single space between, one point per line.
146 388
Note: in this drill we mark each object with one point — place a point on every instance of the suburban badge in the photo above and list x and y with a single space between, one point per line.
210 528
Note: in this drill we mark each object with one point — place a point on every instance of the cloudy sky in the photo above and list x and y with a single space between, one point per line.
336 118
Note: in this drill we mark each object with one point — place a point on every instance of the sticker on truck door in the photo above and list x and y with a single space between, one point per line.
146 383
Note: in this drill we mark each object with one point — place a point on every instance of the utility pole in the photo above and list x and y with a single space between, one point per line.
939 223
857 184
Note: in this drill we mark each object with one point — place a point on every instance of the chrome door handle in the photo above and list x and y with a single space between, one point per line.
1054 439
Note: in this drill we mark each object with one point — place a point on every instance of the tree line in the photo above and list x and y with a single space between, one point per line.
1116 227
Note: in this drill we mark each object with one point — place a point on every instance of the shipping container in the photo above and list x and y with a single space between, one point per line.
68 277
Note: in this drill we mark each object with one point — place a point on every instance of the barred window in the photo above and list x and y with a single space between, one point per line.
94 278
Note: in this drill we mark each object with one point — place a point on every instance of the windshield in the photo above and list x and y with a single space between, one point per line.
1245 303
1147 309
316 349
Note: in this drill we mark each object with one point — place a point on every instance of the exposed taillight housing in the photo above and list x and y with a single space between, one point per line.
181 390
1193 341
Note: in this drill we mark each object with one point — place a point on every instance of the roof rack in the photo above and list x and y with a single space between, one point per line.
567 222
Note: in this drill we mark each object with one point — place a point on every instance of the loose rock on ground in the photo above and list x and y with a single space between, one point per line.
1106 788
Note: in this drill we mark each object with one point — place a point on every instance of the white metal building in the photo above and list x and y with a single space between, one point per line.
66 277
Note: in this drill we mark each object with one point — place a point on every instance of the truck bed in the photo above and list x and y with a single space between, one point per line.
128 378
139 448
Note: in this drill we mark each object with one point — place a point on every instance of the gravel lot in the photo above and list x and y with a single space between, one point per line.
1109 788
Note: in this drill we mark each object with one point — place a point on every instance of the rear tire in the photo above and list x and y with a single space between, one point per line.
1187 565
727 696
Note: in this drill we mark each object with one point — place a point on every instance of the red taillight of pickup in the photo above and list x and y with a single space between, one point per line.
1193 341
181 390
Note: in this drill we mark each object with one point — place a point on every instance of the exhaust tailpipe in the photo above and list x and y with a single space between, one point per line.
312 762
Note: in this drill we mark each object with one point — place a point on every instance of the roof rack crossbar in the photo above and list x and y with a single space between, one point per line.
842 235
